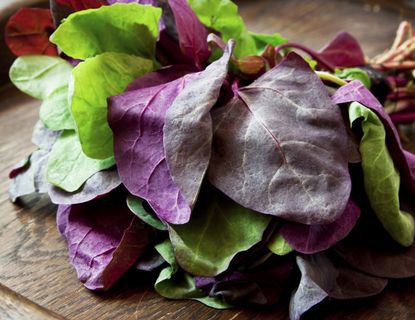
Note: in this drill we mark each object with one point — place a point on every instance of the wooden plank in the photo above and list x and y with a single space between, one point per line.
14 306
33 258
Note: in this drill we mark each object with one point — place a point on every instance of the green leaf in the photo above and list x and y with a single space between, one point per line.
136 206
311 62
126 28
173 283
218 230
94 80
381 178
262 40
46 78
165 249
278 245
354 74
223 16
214 302
68 167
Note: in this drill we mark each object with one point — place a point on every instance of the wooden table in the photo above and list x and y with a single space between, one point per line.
33 258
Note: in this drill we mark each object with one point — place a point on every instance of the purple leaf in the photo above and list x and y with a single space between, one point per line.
356 91
61 9
280 147
160 76
410 160
169 52
181 24
352 284
320 279
369 249
343 51
314 238
263 285
188 127
192 34
403 117
22 166
314 285
150 261
101 183
149 2
137 120
104 239
29 176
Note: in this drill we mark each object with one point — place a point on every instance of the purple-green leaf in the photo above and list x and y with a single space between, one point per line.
280 147
101 183
161 76
188 128
356 91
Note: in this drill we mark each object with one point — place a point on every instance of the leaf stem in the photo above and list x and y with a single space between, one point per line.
313 54
330 77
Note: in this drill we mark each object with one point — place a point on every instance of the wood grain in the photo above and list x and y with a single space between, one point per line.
33 258
15 306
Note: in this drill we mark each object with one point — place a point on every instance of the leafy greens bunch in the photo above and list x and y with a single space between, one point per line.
178 143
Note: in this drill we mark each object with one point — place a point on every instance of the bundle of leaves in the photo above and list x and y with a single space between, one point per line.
178 143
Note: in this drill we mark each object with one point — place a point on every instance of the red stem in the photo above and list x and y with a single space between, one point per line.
313 54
